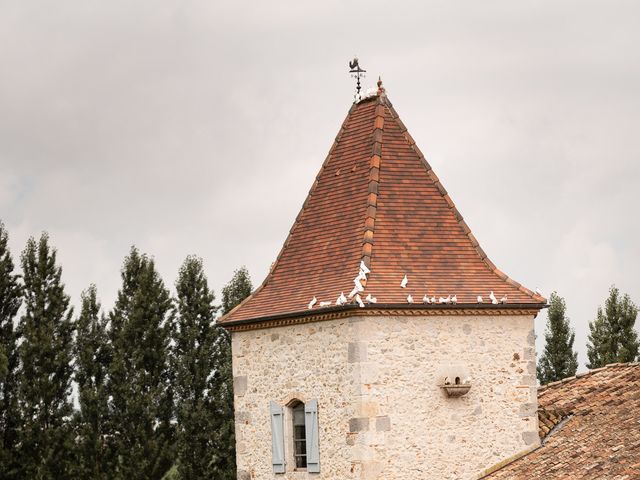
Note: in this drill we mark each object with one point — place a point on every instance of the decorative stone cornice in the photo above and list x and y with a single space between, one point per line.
333 313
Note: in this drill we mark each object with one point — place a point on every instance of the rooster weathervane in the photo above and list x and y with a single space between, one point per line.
356 72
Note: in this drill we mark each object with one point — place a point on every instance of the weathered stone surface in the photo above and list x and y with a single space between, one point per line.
381 412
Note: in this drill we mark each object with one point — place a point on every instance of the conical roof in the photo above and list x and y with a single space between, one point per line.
377 200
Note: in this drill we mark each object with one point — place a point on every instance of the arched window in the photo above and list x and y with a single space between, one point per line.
299 435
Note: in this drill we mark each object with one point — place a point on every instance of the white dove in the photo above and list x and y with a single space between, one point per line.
313 301
454 299
493 298
404 282
363 268
356 282
341 299
324 304
480 299
353 292
426 299
409 298
433 299
504 299
370 299
359 301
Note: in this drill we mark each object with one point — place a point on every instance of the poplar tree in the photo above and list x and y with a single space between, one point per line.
200 453
139 381
10 301
92 353
46 353
558 360
613 338
234 292
238 288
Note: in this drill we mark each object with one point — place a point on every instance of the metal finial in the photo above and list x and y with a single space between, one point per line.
357 73
380 87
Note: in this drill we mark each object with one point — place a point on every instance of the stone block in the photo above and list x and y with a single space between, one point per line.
383 424
240 385
359 424
357 352
530 438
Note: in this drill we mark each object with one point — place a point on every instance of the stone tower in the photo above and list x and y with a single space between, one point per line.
367 353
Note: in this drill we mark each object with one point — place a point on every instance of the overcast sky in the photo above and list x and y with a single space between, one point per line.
198 127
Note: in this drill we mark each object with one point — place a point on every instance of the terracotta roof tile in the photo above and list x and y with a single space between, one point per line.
377 200
590 425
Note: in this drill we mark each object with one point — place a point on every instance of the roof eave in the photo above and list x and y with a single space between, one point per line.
388 309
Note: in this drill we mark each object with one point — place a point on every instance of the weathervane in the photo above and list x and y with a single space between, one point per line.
357 73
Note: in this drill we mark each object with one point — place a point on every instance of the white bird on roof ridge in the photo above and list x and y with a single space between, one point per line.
538 291
359 301
409 298
313 301
341 299
433 299
504 299
404 282
426 299
480 300
493 298
454 299
353 292
361 275
364 268
356 282
445 300
324 304
370 299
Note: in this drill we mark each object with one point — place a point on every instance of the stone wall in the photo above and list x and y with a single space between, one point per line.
382 414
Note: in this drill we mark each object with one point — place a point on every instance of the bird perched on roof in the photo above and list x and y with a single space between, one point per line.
504 299
409 299
445 300
370 299
538 292
363 268
426 299
433 299
404 282
359 301
341 299
313 301
493 298
324 304
480 300
358 283
454 299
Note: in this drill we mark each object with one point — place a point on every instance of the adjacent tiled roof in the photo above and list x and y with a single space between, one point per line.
594 432
377 200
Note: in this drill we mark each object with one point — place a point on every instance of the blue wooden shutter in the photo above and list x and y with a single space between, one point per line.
311 431
277 437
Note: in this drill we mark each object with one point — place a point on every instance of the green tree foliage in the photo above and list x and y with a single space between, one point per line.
92 353
141 408
236 290
613 338
558 360
201 449
46 353
10 300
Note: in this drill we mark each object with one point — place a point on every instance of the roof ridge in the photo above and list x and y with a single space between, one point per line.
445 195
544 388
374 180
334 145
